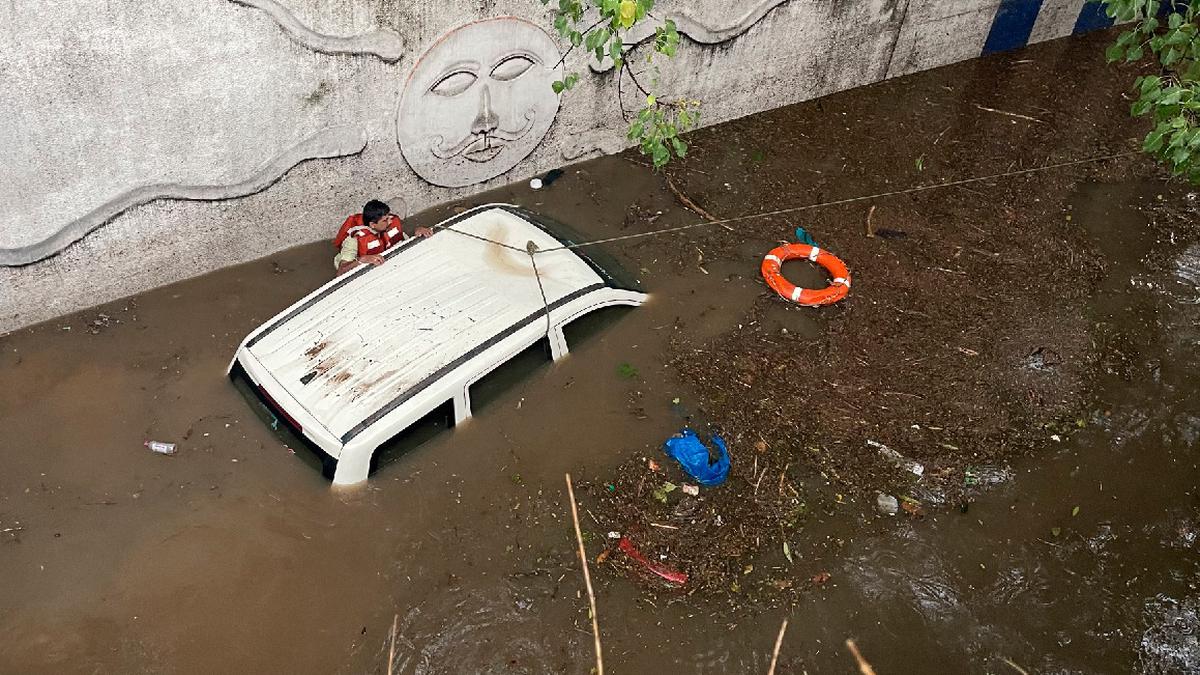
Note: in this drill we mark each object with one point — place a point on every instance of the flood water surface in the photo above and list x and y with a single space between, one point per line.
235 555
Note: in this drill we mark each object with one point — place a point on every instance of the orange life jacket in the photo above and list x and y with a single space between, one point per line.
370 242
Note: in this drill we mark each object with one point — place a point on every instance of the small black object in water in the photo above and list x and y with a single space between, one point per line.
551 176
885 233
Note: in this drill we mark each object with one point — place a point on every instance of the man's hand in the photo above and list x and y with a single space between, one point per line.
375 260
422 232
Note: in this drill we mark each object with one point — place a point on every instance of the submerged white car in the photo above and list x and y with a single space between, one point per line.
362 358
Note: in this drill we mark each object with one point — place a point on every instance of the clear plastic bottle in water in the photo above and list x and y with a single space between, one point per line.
160 447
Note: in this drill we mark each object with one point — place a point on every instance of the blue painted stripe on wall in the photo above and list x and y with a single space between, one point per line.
1012 25
1091 17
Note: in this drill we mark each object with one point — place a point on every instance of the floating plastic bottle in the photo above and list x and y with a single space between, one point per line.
160 447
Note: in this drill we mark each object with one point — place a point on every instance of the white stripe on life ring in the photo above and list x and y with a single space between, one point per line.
374 243
796 294
393 232
812 255
842 282
774 258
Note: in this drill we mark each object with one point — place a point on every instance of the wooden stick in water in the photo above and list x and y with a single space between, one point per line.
392 645
863 667
778 644
587 578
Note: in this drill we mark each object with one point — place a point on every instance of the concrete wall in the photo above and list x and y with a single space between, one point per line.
146 142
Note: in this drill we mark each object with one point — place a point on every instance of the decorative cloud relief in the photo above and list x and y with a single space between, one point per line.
478 101
385 44
325 144
697 30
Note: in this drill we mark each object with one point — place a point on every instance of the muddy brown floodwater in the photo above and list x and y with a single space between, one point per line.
1075 550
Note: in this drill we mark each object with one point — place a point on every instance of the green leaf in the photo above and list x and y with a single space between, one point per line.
627 13
1114 53
1056 531
1140 108
1179 37
651 100
680 147
558 86
1153 142
787 552
576 38
1074 511
1135 53
1174 21
660 155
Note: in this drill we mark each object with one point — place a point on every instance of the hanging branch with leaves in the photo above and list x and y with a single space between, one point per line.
1171 98
659 122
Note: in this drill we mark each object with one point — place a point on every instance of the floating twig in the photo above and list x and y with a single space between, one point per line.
587 578
1011 114
778 644
392 645
1014 666
687 202
863 667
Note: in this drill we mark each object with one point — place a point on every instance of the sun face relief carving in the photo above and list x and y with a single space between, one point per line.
478 101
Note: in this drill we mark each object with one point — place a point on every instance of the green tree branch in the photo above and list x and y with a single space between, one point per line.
1167 33
659 122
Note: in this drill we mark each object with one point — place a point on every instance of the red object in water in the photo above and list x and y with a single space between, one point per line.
661 570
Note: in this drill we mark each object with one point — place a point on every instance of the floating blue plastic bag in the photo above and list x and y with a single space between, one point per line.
687 449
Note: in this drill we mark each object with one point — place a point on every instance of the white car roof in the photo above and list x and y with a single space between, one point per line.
364 344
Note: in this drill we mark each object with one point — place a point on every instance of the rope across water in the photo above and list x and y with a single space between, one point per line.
532 249
803 207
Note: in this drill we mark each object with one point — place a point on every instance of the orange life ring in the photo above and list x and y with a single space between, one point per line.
836 290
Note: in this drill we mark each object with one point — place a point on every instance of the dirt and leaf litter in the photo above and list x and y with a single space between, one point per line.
950 358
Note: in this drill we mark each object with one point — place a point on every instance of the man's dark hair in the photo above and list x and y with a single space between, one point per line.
374 210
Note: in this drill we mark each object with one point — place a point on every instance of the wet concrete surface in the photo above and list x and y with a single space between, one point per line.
234 555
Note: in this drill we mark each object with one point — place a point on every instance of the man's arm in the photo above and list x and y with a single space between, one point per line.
347 258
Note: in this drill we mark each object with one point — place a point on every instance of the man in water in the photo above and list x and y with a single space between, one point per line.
363 238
